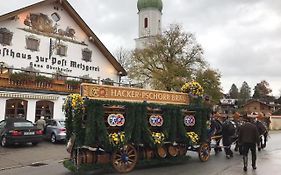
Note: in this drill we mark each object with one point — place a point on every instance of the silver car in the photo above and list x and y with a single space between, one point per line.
55 130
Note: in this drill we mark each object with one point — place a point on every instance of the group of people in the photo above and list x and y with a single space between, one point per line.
244 131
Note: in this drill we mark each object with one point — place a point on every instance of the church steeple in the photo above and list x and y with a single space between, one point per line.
150 20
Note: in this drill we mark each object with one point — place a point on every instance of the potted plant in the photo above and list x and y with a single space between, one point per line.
21 76
73 82
43 79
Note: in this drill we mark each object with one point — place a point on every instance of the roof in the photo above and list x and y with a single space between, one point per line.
253 100
76 17
143 4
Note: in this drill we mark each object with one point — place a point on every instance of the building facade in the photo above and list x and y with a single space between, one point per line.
150 21
46 51
256 106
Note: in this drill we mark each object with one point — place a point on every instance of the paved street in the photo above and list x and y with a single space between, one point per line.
268 162
22 156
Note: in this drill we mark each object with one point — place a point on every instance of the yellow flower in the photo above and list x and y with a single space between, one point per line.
117 138
193 137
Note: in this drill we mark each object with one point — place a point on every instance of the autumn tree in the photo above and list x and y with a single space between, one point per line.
261 90
245 92
233 92
169 61
210 81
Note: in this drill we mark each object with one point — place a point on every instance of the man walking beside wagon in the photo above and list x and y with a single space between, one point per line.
248 137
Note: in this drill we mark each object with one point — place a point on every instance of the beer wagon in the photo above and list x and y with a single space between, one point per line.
123 126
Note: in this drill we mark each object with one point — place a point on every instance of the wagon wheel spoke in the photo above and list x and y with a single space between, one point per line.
132 155
124 159
204 152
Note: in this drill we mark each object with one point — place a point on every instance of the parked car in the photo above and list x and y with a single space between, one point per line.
55 130
19 131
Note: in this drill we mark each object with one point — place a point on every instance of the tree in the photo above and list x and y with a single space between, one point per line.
169 61
245 92
210 81
123 57
233 92
261 90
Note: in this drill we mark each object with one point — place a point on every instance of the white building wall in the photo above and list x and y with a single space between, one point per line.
74 51
41 61
58 113
2 108
31 109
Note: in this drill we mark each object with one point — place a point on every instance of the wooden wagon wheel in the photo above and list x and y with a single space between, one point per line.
124 159
204 152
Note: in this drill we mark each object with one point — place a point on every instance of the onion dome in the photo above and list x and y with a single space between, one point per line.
143 4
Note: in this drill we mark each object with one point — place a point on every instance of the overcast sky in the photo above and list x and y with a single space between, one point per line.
241 38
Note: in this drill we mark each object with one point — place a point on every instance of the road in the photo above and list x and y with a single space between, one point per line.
269 162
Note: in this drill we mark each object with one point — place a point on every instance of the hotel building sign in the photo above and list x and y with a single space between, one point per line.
102 92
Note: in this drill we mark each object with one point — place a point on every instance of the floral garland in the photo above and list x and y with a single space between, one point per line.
193 88
117 139
75 101
193 137
158 137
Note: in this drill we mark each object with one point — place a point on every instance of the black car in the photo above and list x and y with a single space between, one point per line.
19 131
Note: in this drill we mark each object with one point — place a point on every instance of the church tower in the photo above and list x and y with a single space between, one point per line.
150 19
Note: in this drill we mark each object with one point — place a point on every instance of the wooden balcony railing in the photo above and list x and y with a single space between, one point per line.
54 86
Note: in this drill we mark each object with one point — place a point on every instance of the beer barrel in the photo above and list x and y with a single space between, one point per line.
173 150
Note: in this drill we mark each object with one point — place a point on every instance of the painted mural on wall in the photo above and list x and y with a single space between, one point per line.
40 23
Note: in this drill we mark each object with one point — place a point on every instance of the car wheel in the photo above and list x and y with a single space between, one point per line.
4 141
53 138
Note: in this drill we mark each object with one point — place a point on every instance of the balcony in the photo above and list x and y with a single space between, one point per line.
34 81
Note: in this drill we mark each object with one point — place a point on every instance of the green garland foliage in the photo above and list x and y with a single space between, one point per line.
94 130
68 119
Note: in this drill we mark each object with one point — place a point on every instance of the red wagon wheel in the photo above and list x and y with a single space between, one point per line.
124 159
204 152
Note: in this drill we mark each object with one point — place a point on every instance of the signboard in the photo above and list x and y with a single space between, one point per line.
103 92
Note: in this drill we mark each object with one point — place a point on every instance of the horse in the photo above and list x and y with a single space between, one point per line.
229 136
215 134
263 133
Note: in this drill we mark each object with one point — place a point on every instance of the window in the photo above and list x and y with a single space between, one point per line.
32 43
145 22
61 50
23 124
55 17
16 108
5 36
87 55
44 108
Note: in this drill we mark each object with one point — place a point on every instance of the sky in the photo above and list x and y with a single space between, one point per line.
241 38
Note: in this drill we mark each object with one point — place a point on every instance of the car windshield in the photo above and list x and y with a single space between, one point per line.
62 123
23 124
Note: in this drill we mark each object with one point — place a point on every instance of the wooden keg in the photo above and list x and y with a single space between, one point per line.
161 151
173 150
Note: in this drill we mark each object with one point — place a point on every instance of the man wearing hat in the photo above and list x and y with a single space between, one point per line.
248 137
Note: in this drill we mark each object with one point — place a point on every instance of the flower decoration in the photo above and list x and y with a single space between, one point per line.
193 137
75 101
193 88
117 138
158 137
